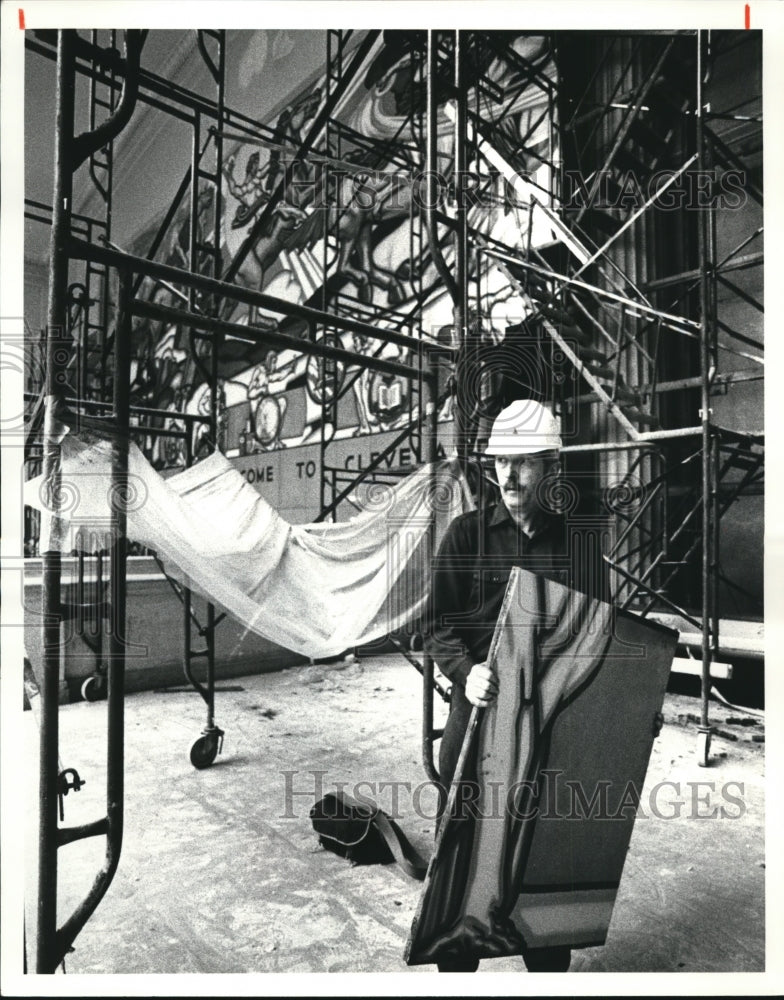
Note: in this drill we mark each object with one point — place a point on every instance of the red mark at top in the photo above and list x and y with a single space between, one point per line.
748 17
21 19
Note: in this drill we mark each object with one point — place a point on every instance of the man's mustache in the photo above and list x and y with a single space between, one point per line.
505 488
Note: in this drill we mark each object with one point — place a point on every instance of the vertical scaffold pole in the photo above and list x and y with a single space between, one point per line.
431 413
428 438
703 237
460 310
58 352
121 489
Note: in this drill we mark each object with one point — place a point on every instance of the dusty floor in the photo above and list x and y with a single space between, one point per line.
220 870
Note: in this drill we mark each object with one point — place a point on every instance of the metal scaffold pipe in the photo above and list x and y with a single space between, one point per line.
112 825
81 250
428 437
57 357
431 172
706 327
52 944
460 311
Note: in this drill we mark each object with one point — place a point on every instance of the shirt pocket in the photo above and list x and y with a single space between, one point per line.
488 587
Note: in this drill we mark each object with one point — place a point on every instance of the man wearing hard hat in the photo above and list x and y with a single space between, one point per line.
477 554
528 528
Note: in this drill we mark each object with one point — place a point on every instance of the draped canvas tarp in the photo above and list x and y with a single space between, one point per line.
517 863
317 589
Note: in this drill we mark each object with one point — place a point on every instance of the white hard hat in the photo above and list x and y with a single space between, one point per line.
524 427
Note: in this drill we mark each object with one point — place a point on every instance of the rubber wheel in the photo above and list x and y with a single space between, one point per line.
204 750
92 688
547 959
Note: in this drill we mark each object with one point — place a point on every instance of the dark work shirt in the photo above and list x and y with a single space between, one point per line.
471 571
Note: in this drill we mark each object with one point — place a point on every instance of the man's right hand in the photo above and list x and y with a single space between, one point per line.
481 685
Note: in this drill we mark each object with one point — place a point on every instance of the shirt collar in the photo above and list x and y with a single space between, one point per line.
501 515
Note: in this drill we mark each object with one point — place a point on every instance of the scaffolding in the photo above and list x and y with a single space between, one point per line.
662 108
623 342
204 291
625 357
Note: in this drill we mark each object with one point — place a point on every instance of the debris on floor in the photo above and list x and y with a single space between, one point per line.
221 870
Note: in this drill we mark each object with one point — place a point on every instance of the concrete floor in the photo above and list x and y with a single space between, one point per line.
215 877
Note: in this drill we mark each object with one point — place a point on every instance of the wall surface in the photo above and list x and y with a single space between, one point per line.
155 634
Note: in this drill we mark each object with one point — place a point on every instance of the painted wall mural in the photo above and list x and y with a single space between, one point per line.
347 235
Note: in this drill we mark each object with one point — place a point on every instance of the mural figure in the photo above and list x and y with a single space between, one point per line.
342 231
381 400
358 205
254 190
203 444
173 448
267 409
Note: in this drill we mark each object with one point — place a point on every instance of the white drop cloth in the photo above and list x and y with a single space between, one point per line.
317 589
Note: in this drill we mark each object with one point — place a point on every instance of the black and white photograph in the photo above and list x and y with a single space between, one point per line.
391 578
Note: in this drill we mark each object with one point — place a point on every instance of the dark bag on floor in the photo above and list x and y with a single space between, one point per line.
364 834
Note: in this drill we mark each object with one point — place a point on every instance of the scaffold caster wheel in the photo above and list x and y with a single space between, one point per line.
555 959
93 688
703 747
204 750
